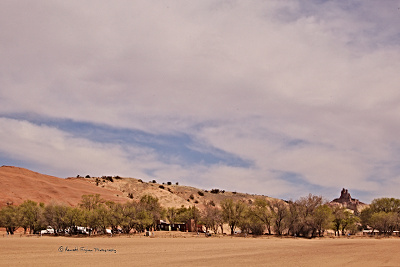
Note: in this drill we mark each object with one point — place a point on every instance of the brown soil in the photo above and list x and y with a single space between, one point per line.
20 184
192 250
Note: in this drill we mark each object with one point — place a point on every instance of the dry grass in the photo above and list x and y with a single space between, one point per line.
191 250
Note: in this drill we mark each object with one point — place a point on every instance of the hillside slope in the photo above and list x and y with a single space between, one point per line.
20 184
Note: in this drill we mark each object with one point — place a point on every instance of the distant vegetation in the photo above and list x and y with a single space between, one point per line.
308 216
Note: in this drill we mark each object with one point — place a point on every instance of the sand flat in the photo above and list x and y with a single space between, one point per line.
197 251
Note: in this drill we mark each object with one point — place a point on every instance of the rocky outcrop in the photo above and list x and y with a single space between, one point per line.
348 202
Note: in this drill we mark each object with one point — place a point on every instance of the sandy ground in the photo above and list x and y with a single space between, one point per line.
196 251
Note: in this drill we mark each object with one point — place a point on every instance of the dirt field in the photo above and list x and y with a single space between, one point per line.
196 251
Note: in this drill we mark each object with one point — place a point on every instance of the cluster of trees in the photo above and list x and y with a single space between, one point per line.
93 212
308 216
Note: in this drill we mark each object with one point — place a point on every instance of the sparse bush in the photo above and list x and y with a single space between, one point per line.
177 183
214 191
117 177
162 187
191 196
87 176
107 178
196 201
130 195
154 181
200 193
169 183
211 203
140 180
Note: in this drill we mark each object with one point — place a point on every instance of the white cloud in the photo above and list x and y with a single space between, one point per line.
244 77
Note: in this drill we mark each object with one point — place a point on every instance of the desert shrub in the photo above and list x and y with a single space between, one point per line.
169 183
117 177
140 180
214 191
130 195
87 176
191 196
177 183
107 178
196 202
162 187
211 203
154 181
200 193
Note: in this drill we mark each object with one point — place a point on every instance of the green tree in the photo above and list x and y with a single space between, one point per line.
279 211
31 216
54 215
233 213
262 212
149 209
383 215
74 217
129 216
323 218
9 218
338 218
302 215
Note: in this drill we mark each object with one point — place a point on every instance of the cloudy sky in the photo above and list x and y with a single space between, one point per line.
280 98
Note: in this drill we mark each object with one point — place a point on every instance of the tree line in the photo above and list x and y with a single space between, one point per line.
308 216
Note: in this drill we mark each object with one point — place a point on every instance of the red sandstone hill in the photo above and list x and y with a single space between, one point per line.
20 184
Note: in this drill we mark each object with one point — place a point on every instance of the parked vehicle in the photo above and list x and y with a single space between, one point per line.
48 230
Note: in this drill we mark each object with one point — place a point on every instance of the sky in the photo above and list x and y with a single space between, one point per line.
278 98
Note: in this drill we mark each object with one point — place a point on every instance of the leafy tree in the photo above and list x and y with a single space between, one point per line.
302 220
149 207
386 205
383 215
385 222
349 221
279 211
55 215
31 216
129 216
262 212
233 213
338 218
323 218
9 218
74 216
